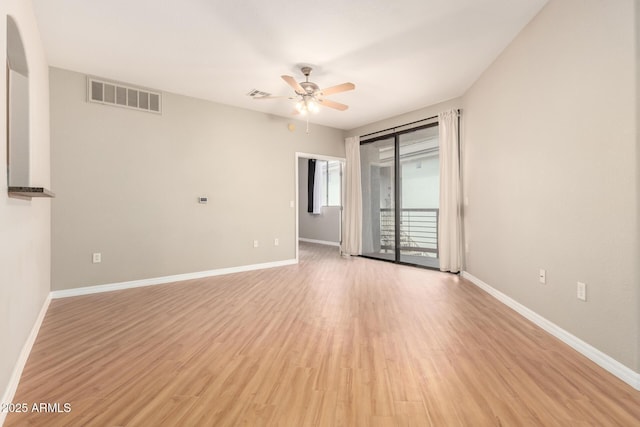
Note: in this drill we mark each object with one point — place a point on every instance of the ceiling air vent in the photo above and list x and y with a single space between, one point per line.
255 93
121 95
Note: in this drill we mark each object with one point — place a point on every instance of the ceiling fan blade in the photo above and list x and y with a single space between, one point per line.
337 89
333 104
294 84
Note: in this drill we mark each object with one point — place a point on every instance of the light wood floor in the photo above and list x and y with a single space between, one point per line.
328 342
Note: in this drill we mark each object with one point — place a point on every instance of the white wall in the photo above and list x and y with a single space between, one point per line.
551 168
127 184
637 199
24 225
324 227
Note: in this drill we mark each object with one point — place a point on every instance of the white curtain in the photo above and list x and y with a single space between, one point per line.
318 188
352 219
450 221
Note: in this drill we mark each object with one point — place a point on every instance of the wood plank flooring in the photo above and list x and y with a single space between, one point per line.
328 342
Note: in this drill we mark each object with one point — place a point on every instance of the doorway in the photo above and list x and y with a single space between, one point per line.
400 196
322 225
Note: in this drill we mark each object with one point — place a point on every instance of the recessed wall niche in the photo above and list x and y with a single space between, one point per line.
18 142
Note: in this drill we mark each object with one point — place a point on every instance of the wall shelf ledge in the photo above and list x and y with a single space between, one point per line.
29 192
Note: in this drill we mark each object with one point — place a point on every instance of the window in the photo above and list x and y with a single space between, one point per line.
332 182
324 184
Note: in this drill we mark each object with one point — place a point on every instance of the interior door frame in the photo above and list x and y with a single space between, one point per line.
301 155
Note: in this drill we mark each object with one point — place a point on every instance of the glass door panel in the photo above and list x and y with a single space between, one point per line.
419 197
377 163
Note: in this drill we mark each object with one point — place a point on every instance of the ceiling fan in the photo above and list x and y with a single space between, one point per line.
309 95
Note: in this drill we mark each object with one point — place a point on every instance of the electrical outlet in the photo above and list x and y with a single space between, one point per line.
582 291
291 204
97 258
542 276
276 242
255 243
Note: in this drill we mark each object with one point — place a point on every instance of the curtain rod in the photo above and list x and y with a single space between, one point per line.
406 124
399 126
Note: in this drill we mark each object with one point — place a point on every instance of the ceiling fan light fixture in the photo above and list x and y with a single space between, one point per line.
307 105
312 106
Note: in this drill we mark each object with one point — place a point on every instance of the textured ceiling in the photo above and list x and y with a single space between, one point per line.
402 55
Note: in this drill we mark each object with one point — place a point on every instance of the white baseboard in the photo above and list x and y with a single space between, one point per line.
605 361
166 279
10 391
320 242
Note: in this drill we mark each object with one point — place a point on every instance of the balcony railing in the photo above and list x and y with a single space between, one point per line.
418 231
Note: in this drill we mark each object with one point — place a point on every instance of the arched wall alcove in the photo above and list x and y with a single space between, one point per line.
17 108
18 144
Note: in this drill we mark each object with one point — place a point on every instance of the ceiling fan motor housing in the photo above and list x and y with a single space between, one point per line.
310 87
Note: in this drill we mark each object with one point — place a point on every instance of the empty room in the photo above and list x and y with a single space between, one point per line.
364 213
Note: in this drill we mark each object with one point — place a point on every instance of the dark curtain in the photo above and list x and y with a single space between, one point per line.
310 181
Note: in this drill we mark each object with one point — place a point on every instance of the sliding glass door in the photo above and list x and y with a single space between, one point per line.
400 196
377 163
419 196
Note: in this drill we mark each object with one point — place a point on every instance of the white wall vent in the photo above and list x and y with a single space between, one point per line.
122 95
255 93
